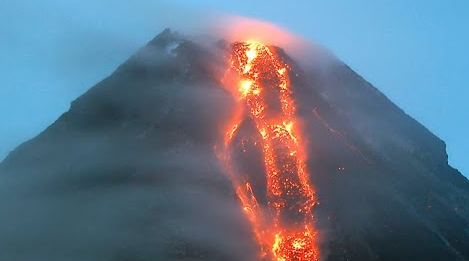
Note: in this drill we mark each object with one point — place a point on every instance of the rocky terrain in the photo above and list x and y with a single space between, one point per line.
129 171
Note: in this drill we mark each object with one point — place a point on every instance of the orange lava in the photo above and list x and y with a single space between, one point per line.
284 226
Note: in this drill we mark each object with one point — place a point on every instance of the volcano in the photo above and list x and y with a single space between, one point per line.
232 151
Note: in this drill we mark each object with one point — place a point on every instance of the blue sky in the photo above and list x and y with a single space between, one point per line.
413 51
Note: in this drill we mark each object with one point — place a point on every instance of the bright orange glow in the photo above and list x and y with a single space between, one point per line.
284 227
245 88
237 28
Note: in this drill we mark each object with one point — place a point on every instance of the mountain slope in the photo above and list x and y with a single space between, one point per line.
129 172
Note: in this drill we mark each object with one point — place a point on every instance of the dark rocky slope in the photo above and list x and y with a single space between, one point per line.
129 171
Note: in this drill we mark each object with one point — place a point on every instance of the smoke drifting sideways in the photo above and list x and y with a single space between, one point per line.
129 171
76 44
234 28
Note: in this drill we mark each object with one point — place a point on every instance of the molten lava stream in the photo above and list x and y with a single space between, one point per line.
284 228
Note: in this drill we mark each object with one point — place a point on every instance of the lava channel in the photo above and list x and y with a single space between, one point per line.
280 212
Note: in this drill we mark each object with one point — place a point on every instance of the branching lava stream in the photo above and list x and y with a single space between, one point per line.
284 226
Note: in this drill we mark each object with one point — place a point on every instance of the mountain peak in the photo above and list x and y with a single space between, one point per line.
166 36
131 171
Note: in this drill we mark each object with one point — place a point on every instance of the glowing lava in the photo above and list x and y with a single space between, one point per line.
284 225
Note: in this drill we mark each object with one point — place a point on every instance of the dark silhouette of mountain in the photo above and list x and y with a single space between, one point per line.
129 171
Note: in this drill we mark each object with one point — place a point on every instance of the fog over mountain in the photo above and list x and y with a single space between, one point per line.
130 172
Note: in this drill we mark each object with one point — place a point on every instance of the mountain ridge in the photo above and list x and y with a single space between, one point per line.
159 113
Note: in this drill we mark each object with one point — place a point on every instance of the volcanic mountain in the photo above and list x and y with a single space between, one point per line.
232 151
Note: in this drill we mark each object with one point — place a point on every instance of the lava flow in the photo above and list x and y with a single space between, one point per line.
283 226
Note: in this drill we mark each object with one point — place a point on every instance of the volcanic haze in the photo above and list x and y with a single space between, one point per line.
233 149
